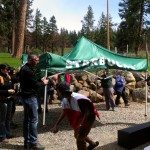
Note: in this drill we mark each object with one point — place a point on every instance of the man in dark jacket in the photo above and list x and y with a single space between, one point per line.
29 92
106 83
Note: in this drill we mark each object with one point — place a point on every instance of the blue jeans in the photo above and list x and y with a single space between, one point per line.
30 119
5 119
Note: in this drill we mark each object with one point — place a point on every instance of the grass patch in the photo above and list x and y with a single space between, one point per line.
8 59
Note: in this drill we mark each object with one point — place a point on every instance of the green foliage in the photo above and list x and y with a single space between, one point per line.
37 51
8 59
88 22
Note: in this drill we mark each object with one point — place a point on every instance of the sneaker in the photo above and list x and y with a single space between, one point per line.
92 146
113 109
36 146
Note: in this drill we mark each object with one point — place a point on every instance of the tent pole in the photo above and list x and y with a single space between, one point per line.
146 86
146 94
45 97
96 88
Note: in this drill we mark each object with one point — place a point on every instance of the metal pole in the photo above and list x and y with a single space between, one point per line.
146 94
108 38
45 99
146 86
127 48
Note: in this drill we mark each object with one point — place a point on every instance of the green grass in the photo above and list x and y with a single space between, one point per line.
8 59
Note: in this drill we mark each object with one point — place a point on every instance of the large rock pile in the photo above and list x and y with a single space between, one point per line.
90 86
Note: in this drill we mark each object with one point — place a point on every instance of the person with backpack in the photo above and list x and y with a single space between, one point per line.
119 88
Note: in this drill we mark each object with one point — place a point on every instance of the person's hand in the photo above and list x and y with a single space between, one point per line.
54 129
45 80
11 91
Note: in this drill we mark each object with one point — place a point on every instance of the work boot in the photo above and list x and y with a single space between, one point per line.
92 146
36 146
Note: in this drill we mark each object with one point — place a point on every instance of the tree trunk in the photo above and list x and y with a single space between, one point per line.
20 31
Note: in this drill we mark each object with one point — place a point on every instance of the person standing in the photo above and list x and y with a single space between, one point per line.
108 91
30 86
120 89
80 112
5 104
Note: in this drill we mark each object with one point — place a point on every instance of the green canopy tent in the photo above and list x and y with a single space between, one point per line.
24 58
87 55
90 55
93 56
52 62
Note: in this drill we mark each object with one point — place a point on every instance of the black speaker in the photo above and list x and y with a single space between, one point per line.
134 136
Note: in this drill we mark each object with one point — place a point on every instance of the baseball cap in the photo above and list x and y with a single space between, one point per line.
4 66
64 87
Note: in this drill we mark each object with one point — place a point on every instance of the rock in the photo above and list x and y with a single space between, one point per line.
86 93
139 94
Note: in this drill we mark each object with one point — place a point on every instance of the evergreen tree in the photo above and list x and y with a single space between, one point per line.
46 33
63 39
73 37
101 32
134 15
37 27
53 33
88 23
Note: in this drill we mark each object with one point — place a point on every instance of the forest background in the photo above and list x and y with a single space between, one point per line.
21 31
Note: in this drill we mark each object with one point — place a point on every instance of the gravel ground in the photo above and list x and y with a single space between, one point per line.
104 130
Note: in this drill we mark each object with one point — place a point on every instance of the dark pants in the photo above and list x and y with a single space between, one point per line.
108 93
5 118
30 120
123 95
81 134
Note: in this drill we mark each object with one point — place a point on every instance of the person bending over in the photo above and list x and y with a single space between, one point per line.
80 112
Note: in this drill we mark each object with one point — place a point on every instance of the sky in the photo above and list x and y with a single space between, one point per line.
69 13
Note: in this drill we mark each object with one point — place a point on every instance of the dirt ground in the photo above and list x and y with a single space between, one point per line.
104 130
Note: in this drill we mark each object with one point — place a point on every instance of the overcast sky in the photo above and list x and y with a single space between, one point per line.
69 13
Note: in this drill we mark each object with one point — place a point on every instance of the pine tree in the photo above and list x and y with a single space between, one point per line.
88 23
37 27
53 33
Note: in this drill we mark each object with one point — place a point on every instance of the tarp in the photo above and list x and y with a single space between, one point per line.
52 62
87 55
24 58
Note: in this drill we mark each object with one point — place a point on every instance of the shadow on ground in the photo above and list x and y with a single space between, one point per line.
51 118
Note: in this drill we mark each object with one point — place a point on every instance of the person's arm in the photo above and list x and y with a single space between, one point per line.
61 117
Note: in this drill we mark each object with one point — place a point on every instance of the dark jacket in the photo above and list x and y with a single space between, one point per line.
106 81
29 84
4 87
